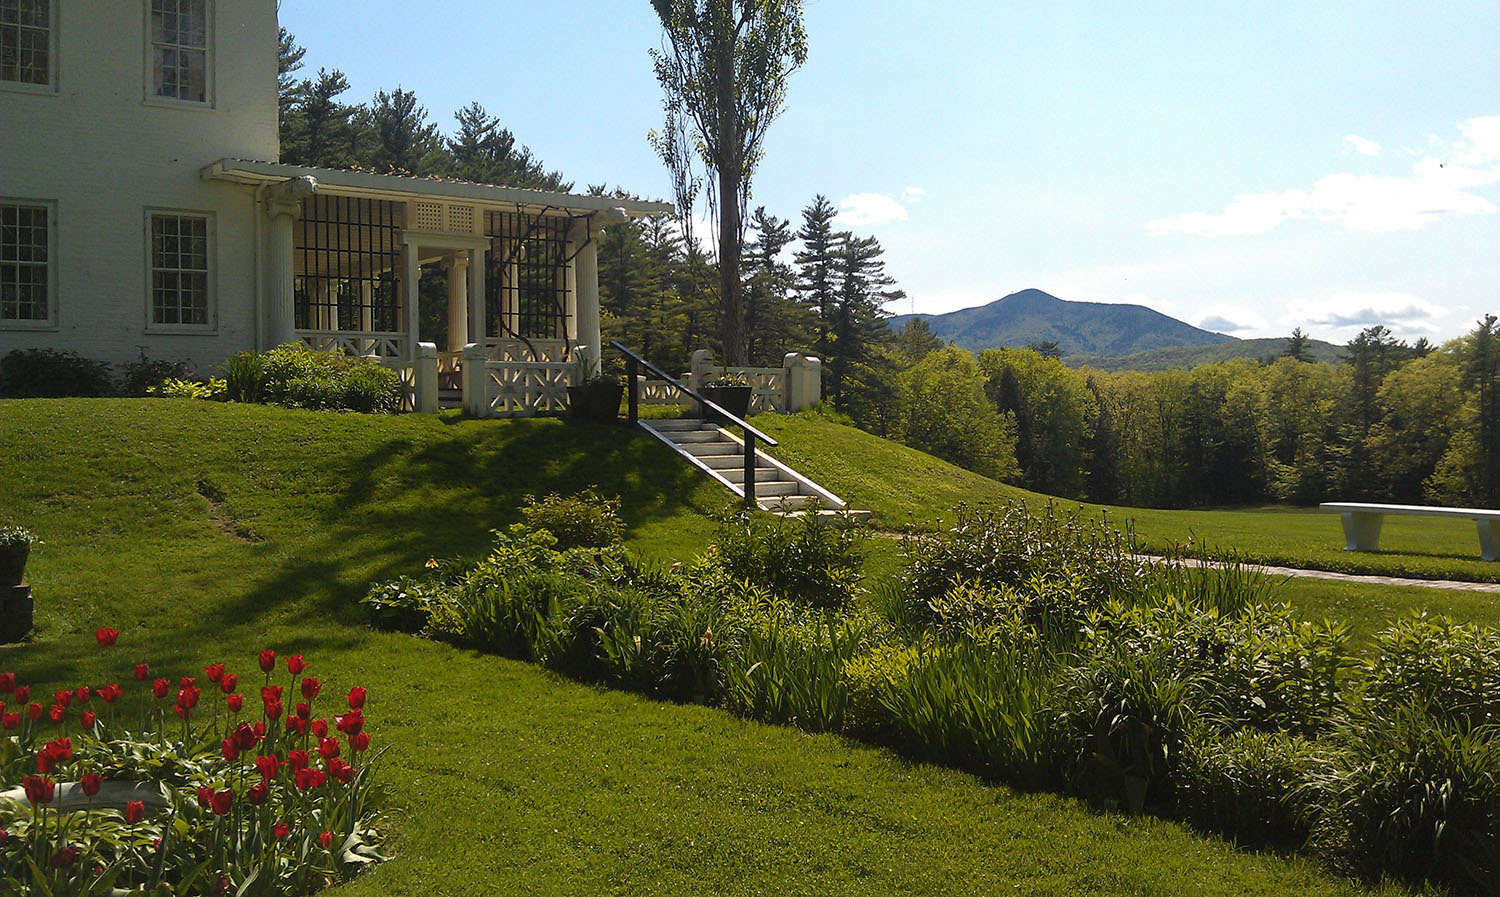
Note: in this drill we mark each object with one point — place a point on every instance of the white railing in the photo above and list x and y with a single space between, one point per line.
797 384
407 371
513 388
508 349
660 392
355 342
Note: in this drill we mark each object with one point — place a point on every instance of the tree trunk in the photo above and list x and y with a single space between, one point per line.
730 174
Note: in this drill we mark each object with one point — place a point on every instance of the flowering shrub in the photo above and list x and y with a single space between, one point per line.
176 786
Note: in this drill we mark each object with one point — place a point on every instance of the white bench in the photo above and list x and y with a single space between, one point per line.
1362 523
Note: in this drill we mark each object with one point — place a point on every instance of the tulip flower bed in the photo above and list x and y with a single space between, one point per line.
182 785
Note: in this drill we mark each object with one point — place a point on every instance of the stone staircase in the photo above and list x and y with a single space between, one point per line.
721 454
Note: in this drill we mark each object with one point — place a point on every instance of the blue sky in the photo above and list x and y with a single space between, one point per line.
1249 166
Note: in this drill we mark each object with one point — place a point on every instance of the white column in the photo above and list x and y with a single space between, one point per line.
511 298
570 290
586 280
411 273
477 328
457 266
425 380
281 324
366 306
1361 530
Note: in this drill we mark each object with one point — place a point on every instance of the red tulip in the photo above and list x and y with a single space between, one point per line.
229 750
320 728
260 728
10 722
160 688
245 736
135 811
39 789
227 682
273 710
307 779
106 636
7 683
267 660
359 741
296 724
187 682
214 672
91 782
297 760
326 840
205 796
281 830
142 670
46 762
352 722
236 703
81 694
35 711
304 710
62 697
110 693
356 697
221 801
311 687
23 694
187 697
269 693
87 720
258 793
64 858
341 770
268 766
328 747
295 664
4 836
56 713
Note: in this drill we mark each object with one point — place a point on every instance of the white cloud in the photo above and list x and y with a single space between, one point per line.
1438 186
913 195
1361 145
870 209
1359 309
1230 319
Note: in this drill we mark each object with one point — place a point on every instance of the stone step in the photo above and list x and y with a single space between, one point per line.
713 449
732 462
679 423
777 489
686 437
762 475
782 501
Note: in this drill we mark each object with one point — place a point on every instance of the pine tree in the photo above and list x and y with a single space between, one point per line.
858 314
486 153
815 281
774 323
1297 347
322 131
404 140
288 61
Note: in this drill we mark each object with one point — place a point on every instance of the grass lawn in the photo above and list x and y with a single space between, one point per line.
206 532
907 488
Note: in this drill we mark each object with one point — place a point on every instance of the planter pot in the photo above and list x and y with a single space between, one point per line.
578 402
16 613
604 401
734 399
13 565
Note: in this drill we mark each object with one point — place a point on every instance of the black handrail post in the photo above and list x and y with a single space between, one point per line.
631 375
749 470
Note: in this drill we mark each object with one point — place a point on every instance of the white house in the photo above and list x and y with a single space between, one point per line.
143 209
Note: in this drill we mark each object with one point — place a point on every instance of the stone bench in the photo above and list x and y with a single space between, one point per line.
1362 523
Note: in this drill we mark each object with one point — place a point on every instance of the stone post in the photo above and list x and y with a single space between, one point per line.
425 379
475 381
701 368
812 381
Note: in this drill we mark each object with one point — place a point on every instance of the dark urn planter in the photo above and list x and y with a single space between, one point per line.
578 402
734 399
16 613
13 564
604 401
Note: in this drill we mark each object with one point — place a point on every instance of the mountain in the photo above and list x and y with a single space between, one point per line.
1188 356
1079 328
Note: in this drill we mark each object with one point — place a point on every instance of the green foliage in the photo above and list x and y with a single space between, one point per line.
1446 669
790 669
806 560
1250 785
297 377
17 537
141 375
585 519
212 388
26 373
944 412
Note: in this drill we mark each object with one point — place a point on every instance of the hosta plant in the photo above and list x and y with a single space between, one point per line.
185 785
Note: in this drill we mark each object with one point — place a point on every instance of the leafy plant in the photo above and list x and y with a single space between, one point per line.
585 519
189 389
49 372
297 377
17 537
801 559
144 374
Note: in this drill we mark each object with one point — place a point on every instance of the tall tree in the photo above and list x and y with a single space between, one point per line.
724 69
774 323
815 266
288 60
322 131
405 141
1297 346
858 325
484 152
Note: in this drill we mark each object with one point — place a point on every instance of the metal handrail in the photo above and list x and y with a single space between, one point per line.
632 360
731 416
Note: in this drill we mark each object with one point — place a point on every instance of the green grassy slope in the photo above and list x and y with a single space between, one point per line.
908 488
502 778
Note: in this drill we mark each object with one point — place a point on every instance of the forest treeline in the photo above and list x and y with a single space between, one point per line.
1388 422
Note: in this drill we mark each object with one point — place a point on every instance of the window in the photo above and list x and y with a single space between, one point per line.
25 264
26 42
180 253
179 50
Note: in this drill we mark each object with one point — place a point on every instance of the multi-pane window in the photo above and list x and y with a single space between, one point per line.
179 49
25 256
26 41
179 270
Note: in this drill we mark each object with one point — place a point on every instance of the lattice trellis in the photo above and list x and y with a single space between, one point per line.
660 392
408 374
524 388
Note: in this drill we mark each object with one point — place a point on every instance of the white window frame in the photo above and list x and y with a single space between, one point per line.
52 44
152 98
211 310
50 322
